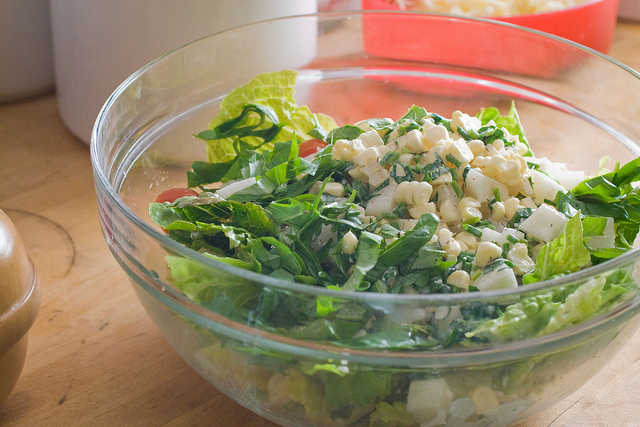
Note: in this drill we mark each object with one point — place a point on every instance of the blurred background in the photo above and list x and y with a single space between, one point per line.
83 49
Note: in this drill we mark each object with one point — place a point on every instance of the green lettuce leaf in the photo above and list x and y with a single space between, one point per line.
209 209
275 90
397 414
304 390
276 171
511 122
556 309
610 195
347 388
366 257
563 255
578 306
520 320
390 336
251 160
196 280
401 249
612 186
277 259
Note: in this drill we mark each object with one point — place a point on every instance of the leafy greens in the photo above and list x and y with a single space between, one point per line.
280 224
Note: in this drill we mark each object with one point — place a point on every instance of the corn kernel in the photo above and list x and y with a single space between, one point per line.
369 155
514 166
492 150
486 253
510 207
349 243
444 236
519 256
417 211
497 211
498 144
461 151
480 161
522 148
469 208
448 243
422 193
459 279
357 173
413 141
526 186
437 151
499 162
445 178
371 168
379 176
449 213
343 154
453 250
277 387
406 159
464 121
491 170
442 312
470 241
370 139
340 150
434 134
477 147
400 193
334 188
315 187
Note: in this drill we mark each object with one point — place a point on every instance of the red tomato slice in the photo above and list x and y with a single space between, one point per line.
311 146
172 194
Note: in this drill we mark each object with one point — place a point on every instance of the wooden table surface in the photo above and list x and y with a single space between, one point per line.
94 356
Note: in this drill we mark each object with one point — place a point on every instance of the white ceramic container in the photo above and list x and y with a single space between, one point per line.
26 58
98 44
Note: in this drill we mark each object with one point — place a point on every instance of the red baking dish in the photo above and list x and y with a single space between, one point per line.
480 43
591 24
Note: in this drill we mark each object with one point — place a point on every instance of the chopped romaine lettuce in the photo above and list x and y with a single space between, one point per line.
565 254
277 91
395 414
552 310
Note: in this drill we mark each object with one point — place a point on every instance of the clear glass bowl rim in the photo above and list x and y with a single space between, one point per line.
102 181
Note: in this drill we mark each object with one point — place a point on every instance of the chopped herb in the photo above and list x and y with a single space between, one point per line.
496 194
471 229
453 160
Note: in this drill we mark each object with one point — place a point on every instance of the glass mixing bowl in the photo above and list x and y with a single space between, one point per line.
576 106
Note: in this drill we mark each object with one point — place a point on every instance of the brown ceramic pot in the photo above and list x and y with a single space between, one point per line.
19 304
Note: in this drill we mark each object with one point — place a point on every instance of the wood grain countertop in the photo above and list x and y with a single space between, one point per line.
94 356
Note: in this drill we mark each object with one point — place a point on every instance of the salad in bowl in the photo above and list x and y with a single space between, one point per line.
417 205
